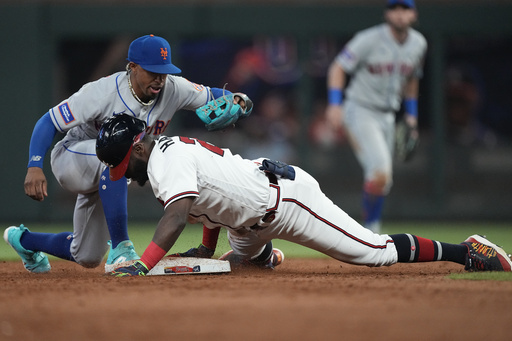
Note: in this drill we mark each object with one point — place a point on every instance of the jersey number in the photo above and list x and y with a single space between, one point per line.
209 146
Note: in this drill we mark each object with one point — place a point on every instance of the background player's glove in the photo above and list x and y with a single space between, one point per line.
407 140
220 113
199 252
136 269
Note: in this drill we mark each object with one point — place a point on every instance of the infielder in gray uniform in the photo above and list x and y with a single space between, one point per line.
257 201
385 63
147 89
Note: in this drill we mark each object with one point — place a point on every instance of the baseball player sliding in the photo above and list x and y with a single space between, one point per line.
149 90
385 63
257 201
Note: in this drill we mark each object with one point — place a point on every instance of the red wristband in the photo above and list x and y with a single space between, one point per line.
152 255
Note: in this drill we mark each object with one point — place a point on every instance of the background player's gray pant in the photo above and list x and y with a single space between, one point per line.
372 135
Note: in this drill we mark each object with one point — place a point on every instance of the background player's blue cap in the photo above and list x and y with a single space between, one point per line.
153 54
405 3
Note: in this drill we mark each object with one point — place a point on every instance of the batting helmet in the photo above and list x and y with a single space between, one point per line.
115 142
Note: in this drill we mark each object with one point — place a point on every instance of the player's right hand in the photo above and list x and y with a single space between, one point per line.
136 269
199 252
35 184
334 116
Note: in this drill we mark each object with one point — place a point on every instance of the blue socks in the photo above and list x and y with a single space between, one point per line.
114 196
55 244
372 207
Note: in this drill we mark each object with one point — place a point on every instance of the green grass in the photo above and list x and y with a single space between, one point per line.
142 233
483 276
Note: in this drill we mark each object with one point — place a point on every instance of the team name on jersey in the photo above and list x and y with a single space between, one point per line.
389 68
158 128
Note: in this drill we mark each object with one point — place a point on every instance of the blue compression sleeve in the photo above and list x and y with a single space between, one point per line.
216 92
114 197
42 139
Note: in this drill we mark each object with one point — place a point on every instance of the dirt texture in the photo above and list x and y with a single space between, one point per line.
303 299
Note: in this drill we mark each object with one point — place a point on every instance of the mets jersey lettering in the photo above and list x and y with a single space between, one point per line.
403 69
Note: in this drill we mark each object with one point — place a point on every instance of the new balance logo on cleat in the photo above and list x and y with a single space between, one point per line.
483 255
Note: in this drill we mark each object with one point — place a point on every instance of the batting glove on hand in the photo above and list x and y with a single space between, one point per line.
199 252
136 269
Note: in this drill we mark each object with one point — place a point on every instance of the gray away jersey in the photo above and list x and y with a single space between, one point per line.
380 66
84 112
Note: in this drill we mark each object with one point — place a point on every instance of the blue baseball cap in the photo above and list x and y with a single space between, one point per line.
153 54
405 3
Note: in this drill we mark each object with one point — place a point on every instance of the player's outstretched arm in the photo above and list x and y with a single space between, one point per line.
167 232
42 138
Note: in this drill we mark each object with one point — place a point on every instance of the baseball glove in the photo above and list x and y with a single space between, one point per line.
222 112
406 141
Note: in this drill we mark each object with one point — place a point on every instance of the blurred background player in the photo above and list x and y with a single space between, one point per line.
384 63
147 89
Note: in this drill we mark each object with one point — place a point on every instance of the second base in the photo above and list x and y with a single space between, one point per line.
181 266
189 266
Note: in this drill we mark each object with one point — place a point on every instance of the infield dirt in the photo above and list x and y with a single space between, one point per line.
303 299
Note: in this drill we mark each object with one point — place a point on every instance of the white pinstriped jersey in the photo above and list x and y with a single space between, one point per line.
83 113
379 66
230 191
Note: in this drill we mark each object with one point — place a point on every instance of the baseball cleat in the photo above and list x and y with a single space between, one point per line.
36 262
276 259
485 256
124 252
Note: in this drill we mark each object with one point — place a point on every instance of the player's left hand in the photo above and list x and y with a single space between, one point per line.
199 252
136 269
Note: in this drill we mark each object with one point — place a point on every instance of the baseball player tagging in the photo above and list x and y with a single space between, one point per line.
148 90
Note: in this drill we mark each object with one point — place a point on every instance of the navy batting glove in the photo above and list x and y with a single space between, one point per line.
199 252
136 269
